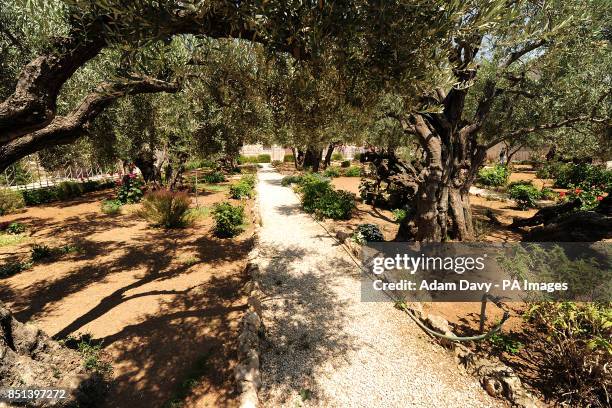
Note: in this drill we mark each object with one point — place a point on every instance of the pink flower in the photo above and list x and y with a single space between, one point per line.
599 198
132 175
561 193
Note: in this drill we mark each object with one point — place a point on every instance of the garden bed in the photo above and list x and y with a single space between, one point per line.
164 304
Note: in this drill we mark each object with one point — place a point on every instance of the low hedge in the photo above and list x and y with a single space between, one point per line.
63 191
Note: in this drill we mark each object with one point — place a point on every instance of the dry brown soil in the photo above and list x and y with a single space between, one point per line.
164 303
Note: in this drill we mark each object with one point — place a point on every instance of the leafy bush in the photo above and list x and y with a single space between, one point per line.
10 201
332 172
525 195
579 353
289 158
357 156
399 214
590 196
247 159
228 219
313 187
495 176
354 171
111 207
240 190
166 208
13 268
16 228
571 175
41 252
214 177
345 163
249 179
288 180
243 188
40 196
335 204
69 189
337 156
367 233
264 158
547 194
130 189
505 343
550 170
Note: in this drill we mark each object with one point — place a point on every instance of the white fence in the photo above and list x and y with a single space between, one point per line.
278 152
28 174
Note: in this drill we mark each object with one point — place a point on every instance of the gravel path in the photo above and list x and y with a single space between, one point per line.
326 348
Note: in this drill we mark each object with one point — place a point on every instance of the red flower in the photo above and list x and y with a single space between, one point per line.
599 198
561 193
578 191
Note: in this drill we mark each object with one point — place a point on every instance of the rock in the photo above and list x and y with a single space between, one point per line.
343 236
29 358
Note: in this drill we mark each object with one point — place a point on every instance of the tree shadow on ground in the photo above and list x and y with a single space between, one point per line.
290 209
306 319
157 354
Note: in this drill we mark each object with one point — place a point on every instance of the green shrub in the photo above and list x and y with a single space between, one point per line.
264 158
69 189
111 207
40 196
228 219
547 194
578 352
10 201
166 208
16 228
214 177
345 163
249 179
247 159
367 233
332 172
550 170
41 252
312 187
357 157
337 156
495 176
335 204
289 158
13 268
570 175
240 190
505 343
525 195
590 196
130 189
354 171
400 214
288 180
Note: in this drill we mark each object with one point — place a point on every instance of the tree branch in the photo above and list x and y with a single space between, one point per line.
67 129
525 49
546 126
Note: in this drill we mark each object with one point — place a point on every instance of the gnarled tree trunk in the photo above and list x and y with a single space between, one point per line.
312 158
